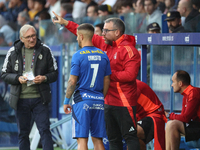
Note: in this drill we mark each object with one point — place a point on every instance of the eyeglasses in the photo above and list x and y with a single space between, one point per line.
107 30
30 36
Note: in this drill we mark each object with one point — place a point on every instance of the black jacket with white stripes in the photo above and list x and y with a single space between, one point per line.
44 64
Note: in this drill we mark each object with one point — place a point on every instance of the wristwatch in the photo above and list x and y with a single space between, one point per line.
167 116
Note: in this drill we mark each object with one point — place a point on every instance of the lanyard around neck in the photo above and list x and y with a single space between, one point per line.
31 62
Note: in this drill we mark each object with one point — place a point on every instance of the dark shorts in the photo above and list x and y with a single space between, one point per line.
192 131
148 127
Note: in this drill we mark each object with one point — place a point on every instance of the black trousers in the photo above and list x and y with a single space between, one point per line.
121 123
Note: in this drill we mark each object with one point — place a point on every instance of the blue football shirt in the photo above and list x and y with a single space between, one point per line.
91 65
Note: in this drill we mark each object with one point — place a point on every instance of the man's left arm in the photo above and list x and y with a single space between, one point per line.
190 111
70 90
131 67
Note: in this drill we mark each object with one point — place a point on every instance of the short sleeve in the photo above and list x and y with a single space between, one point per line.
75 65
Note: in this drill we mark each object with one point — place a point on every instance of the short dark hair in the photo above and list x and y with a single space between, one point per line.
95 8
100 25
142 3
183 76
153 1
65 1
134 1
118 23
43 2
45 15
105 8
93 4
126 3
117 6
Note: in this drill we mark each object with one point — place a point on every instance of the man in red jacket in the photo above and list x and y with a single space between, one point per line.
120 101
151 117
188 122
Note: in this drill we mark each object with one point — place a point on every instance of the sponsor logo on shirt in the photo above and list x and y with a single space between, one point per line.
88 52
94 106
115 56
85 95
105 141
97 106
85 106
97 51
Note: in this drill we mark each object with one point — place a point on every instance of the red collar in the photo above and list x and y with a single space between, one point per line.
186 91
118 41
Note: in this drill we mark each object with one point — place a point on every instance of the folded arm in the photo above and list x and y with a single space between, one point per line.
191 110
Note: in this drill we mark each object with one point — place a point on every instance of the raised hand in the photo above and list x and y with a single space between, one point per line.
59 19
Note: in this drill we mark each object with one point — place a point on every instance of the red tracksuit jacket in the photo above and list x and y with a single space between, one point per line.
190 106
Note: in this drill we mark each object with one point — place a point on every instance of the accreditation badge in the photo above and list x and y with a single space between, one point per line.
30 77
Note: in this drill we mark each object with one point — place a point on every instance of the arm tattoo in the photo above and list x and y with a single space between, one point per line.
70 89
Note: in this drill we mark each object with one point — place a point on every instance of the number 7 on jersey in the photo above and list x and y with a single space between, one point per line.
95 67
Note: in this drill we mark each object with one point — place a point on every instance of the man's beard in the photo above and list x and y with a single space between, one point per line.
173 28
108 42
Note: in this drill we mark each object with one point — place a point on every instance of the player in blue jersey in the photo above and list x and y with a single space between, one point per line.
89 81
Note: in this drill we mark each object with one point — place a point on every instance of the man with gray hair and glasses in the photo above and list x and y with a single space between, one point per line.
29 67
120 101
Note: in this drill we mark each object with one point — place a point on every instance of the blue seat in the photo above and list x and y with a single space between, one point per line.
183 145
193 144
